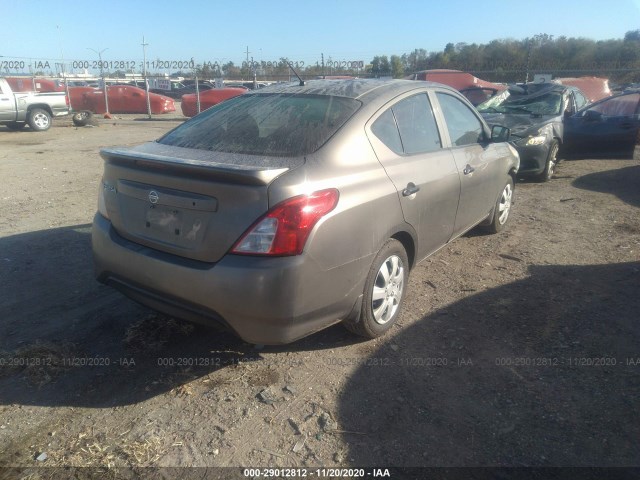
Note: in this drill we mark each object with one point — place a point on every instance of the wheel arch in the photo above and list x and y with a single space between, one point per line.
408 242
43 106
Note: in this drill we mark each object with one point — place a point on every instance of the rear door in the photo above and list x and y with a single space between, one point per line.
476 161
407 142
608 128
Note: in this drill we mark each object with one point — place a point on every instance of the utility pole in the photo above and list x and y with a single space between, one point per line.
64 75
322 57
104 82
144 74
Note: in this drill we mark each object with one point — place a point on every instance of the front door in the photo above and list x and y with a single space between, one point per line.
472 153
608 128
7 105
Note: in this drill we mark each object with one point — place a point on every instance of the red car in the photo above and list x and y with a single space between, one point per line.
474 88
122 99
208 98
29 84
595 88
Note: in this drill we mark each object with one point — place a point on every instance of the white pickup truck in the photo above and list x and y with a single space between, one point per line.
32 108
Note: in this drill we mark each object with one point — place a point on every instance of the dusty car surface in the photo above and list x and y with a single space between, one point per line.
208 99
282 211
535 113
608 128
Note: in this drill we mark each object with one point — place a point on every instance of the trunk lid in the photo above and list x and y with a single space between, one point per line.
187 202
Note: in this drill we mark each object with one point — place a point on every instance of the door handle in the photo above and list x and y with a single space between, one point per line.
468 169
410 189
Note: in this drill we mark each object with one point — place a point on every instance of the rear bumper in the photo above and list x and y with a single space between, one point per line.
263 300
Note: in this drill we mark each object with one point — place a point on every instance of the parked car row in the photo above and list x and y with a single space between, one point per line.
550 122
238 217
121 99
563 118
178 89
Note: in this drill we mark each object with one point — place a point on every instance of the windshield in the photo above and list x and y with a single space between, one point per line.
545 104
265 124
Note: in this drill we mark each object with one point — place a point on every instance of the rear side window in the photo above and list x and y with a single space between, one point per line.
386 129
265 124
409 126
463 126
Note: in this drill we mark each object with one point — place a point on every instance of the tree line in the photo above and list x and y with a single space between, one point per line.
505 60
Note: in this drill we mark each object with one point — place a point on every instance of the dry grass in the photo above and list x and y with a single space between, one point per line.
114 451
40 362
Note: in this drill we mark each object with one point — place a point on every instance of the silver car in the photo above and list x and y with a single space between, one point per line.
278 213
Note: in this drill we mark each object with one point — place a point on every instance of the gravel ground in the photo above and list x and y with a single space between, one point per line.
517 349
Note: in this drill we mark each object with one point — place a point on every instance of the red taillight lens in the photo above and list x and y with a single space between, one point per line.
284 229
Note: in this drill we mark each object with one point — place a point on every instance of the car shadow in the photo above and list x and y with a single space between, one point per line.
544 371
67 340
623 183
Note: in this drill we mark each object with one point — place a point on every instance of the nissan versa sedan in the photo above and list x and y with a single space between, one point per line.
282 211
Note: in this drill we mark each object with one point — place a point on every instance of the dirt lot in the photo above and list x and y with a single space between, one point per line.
519 349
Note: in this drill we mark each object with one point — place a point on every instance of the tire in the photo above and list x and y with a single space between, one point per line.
81 119
16 125
384 291
39 119
551 163
502 210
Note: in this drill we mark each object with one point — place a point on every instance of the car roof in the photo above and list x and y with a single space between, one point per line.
365 90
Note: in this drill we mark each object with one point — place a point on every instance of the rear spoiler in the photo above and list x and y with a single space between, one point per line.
202 169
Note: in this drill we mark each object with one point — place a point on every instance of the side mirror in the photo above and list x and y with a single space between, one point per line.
500 134
592 116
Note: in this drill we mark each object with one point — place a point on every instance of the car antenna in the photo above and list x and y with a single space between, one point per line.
296 74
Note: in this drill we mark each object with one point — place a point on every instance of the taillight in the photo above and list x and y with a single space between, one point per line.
284 229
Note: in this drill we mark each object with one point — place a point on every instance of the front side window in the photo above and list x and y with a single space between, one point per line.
265 124
463 126
622 106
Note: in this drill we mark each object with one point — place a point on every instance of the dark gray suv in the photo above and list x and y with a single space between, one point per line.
280 212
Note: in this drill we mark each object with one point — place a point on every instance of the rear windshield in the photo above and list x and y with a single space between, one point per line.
265 124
